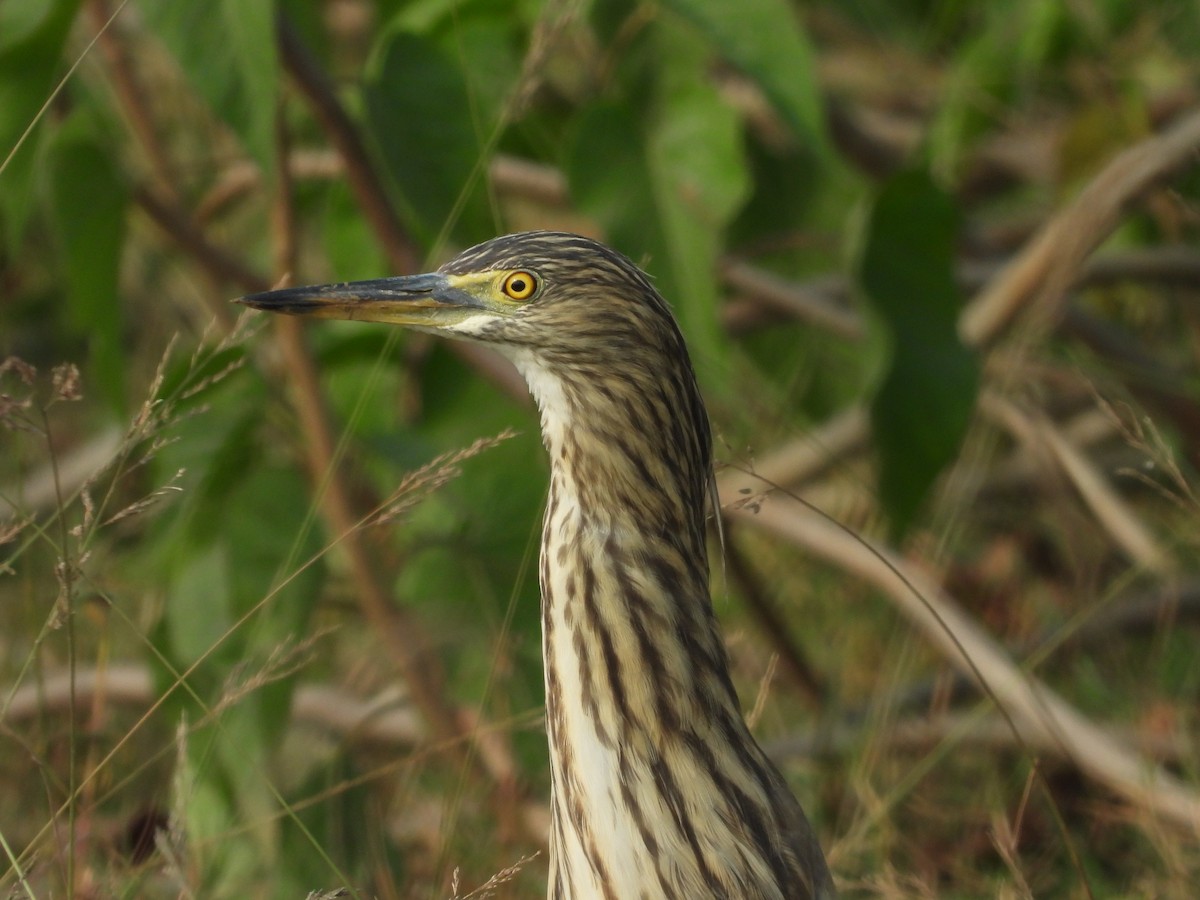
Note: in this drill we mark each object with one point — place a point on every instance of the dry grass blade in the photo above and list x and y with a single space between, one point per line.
428 478
1144 436
804 305
1113 513
284 660
1034 708
1052 261
1005 840
489 887
972 728
387 719
801 459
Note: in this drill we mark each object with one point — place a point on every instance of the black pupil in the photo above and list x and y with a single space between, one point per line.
517 285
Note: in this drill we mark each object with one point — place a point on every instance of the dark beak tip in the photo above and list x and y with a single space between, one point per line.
254 301
268 301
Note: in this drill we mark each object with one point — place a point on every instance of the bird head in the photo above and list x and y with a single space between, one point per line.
596 343
559 295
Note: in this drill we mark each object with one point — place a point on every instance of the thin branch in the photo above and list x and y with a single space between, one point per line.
400 631
773 627
162 201
1113 513
533 181
370 194
218 263
801 459
961 729
1170 265
132 98
1101 627
410 649
387 719
1051 262
404 637
797 301
1038 713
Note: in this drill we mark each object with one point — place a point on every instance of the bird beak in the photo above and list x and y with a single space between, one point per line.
424 301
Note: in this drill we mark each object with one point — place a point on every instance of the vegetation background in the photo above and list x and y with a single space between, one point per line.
268 608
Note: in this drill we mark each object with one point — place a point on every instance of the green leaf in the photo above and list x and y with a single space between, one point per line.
610 180
922 408
664 193
31 44
88 202
258 547
349 242
418 113
227 51
240 753
664 171
198 608
467 546
488 46
699 176
339 821
225 789
242 547
21 21
764 40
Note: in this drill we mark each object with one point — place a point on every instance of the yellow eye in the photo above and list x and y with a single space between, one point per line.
519 285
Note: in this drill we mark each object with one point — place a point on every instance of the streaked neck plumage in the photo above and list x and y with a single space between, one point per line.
658 789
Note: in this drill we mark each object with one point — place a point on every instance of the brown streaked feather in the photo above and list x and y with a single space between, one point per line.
659 790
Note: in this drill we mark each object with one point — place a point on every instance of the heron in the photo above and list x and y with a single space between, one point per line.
658 787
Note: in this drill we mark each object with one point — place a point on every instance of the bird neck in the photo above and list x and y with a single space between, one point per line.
632 650
658 788
624 562
629 447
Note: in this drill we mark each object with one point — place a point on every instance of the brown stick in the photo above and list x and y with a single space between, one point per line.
1049 264
400 632
162 201
773 627
311 80
133 99
371 195
215 261
1037 714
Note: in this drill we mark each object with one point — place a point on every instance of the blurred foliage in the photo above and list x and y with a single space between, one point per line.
876 156
907 272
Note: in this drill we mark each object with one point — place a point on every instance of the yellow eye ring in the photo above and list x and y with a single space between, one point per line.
519 285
